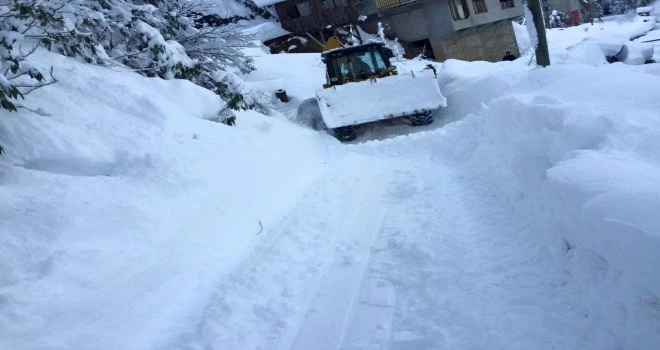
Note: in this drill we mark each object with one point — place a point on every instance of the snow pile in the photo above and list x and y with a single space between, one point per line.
121 205
645 9
636 53
457 80
579 43
580 156
368 101
265 30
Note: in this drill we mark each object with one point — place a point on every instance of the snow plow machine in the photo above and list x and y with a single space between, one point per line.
362 86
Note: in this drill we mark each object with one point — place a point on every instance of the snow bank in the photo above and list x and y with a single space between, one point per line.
265 30
458 79
576 44
121 205
576 159
299 74
636 53
580 155
587 52
645 9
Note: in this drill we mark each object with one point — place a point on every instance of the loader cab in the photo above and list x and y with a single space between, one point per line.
357 63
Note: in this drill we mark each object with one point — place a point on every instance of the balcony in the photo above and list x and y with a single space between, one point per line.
383 4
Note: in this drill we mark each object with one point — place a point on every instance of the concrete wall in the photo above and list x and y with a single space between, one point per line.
409 26
487 42
485 36
439 20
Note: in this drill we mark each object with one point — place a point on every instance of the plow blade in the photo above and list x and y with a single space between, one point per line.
379 99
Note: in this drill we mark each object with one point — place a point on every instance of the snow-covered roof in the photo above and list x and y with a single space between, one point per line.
646 9
263 3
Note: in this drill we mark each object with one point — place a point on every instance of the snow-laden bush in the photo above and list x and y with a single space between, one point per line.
557 18
153 37
24 24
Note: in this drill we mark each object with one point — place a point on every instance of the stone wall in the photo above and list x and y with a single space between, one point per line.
486 42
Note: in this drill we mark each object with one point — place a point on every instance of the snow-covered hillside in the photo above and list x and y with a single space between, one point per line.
525 217
122 204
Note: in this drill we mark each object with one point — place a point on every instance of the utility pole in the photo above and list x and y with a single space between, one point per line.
542 54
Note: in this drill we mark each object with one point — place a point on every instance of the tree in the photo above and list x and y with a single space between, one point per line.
23 26
153 37
590 10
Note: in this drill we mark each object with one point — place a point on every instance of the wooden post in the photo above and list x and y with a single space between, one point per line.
542 54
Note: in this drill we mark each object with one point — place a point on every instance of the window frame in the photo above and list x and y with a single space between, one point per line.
454 10
509 4
477 8
302 6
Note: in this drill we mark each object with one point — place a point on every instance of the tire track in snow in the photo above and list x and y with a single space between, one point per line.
263 303
325 326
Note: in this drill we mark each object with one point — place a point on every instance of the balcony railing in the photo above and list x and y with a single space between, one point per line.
381 4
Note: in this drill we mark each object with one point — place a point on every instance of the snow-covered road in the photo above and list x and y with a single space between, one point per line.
406 253
524 217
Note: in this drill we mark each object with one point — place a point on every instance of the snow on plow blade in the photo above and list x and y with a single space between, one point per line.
373 100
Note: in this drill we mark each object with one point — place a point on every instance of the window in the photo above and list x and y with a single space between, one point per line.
359 65
506 4
378 61
304 9
459 9
479 6
292 12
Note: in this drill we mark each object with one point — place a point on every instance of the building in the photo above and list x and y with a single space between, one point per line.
312 16
461 29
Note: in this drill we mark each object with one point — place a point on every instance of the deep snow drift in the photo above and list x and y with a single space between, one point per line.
525 217
123 204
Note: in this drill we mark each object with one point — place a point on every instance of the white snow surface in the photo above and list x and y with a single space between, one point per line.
265 30
644 9
264 3
524 217
222 8
372 100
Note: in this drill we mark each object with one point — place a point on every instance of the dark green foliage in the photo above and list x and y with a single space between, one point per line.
162 40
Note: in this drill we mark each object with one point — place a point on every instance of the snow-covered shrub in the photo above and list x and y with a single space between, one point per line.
557 19
153 37
23 25
217 48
